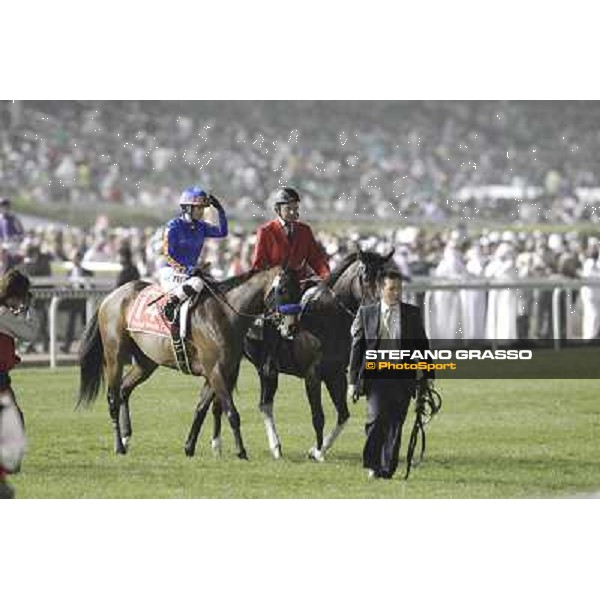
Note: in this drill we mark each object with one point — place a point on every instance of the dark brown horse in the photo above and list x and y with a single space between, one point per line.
318 354
218 326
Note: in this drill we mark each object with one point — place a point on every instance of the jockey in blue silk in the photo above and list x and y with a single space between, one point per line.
182 244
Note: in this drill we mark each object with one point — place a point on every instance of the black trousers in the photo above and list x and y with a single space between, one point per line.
387 405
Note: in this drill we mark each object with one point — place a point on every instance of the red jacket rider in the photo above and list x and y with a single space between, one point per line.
286 238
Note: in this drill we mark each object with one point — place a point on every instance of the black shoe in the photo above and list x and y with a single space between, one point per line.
6 491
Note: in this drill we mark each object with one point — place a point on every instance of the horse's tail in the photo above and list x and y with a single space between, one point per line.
91 363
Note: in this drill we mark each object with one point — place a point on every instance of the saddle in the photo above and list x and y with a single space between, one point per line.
145 316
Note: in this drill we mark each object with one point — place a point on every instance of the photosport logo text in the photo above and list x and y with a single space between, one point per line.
400 362
482 359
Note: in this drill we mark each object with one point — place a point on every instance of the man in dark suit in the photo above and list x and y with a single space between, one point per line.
129 272
391 325
80 279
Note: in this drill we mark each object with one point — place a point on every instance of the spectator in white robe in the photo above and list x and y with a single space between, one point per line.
502 306
474 301
590 297
401 258
446 306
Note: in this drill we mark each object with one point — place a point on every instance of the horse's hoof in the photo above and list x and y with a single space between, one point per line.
189 451
242 455
276 452
121 450
316 455
125 442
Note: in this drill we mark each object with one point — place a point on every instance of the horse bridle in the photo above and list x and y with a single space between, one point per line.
351 313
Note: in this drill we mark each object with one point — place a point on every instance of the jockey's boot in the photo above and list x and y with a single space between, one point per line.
268 365
170 309
173 304
6 491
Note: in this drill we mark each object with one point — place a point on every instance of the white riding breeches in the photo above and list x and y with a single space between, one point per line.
12 434
173 281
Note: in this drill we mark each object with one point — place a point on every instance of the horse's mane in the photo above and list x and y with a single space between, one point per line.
339 270
232 282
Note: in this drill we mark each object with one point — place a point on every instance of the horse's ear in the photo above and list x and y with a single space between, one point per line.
359 251
389 255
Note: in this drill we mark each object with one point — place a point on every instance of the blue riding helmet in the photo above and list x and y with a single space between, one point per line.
193 196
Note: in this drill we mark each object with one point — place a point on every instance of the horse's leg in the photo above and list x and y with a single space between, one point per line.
222 386
215 443
337 386
268 387
206 397
139 372
312 384
114 374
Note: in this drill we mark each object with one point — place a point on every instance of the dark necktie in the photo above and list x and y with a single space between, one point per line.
289 231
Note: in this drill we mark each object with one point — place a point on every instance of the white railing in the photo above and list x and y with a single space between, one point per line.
57 290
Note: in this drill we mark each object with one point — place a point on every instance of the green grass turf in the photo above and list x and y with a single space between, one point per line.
493 439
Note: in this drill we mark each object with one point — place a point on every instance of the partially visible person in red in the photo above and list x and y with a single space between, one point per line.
15 322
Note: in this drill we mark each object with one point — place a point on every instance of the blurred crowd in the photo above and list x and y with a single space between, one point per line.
430 160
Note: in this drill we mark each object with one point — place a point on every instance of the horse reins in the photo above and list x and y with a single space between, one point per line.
220 297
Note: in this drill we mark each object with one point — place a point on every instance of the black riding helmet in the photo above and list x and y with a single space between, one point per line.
285 196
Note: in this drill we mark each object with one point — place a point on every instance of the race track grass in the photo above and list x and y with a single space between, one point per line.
493 439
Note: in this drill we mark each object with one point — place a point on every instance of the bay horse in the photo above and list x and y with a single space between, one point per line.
218 325
320 352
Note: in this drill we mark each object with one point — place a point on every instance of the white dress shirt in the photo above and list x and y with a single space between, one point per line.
288 228
389 323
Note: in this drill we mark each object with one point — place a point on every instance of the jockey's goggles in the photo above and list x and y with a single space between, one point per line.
201 201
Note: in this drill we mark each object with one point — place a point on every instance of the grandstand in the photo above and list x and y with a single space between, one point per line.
405 161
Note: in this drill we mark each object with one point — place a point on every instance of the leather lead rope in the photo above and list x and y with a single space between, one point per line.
428 404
